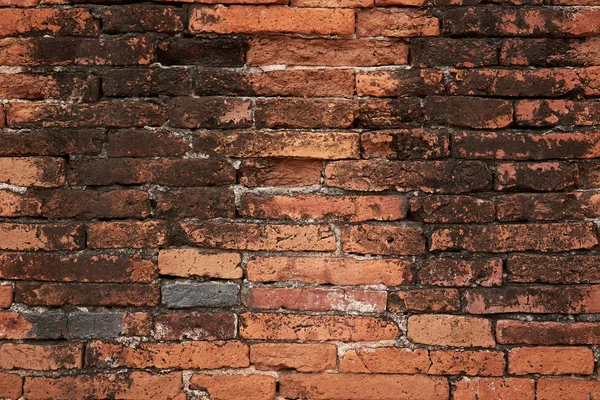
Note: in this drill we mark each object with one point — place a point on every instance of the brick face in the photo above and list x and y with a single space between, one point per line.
299 199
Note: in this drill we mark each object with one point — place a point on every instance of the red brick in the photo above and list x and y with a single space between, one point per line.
550 52
235 387
143 18
515 237
50 237
547 333
243 144
468 362
542 113
336 271
302 113
460 53
14 325
400 240
332 3
48 21
468 112
399 83
145 143
210 112
360 386
185 355
314 206
461 272
60 85
427 176
396 23
563 269
32 171
193 262
194 326
567 389
301 357
6 296
550 360
11 386
424 300
40 357
405 144
252 236
494 388
315 327
543 176
308 299
548 206
200 203
101 385
108 235
327 52
450 330
86 294
137 324
387 360
280 172
441 209
272 19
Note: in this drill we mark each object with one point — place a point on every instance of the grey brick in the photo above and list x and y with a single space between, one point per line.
202 294
94 325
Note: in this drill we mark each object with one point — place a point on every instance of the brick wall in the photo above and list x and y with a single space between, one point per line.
299 199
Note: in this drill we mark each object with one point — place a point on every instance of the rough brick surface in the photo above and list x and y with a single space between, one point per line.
300 199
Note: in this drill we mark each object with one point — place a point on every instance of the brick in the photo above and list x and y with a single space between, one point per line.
405 144
280 172
234 387
542 113
308 299
424 300
143 18
76 267
326 52
547 333
271 19
489 20
209 112
460 53
15 204
61 85
315 327
517 237
304 113
400 83
543 176
6 296
201 294
359 386
133 82
402 112
253 236
332 3
386 360
589 175
443 209
110 235
137 324
39 51
192 262
50 237
564 269
550 360
40 357
185 355
51 142
467 362
450 330
400 240
565 388
114 114
395 22
427 176
194 326
287 82
145 143
128 385
32 171
336 271
547 206
468 112
314 206
494 388
461 272
526 145
301 357
11 386
168 172
48 21
221 52
93 325
202 203
550 52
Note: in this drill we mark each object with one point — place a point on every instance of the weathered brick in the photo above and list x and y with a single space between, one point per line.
145 143
395 22
550 360
32 171
221 52
304 113
461 53
194 326
424 300
50 237
461 272
543 176
210 112
299 356
336 271
400 83
389 113
542 113
133 82
468 362
40 357
468 112
400 240
547 333
308 299
494 388
184 355
92 325
253 236
233 387
201 294
109 235
58 85
137 324
562 269
315 327
565 388
271 19
6 296
550 52
547 206
450 330
200 203
143 18
405 144
442 209
315 206
515 237
280 172
332 3
48 21
387 360
193 262
51 142
328 52
11 386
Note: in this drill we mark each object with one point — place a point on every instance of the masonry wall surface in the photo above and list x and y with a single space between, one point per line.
299 199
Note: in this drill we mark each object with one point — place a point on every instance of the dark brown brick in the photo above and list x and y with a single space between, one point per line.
205 52
143 18
210 112
145 143
203 203
133 82
304 113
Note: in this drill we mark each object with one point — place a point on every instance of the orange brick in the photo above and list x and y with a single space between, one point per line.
32 171
551 360
494 389
301 357
192 262
6 296
385 360
11 386
107 235
235 387
395 22
468 362
450 330
41 236
41 357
